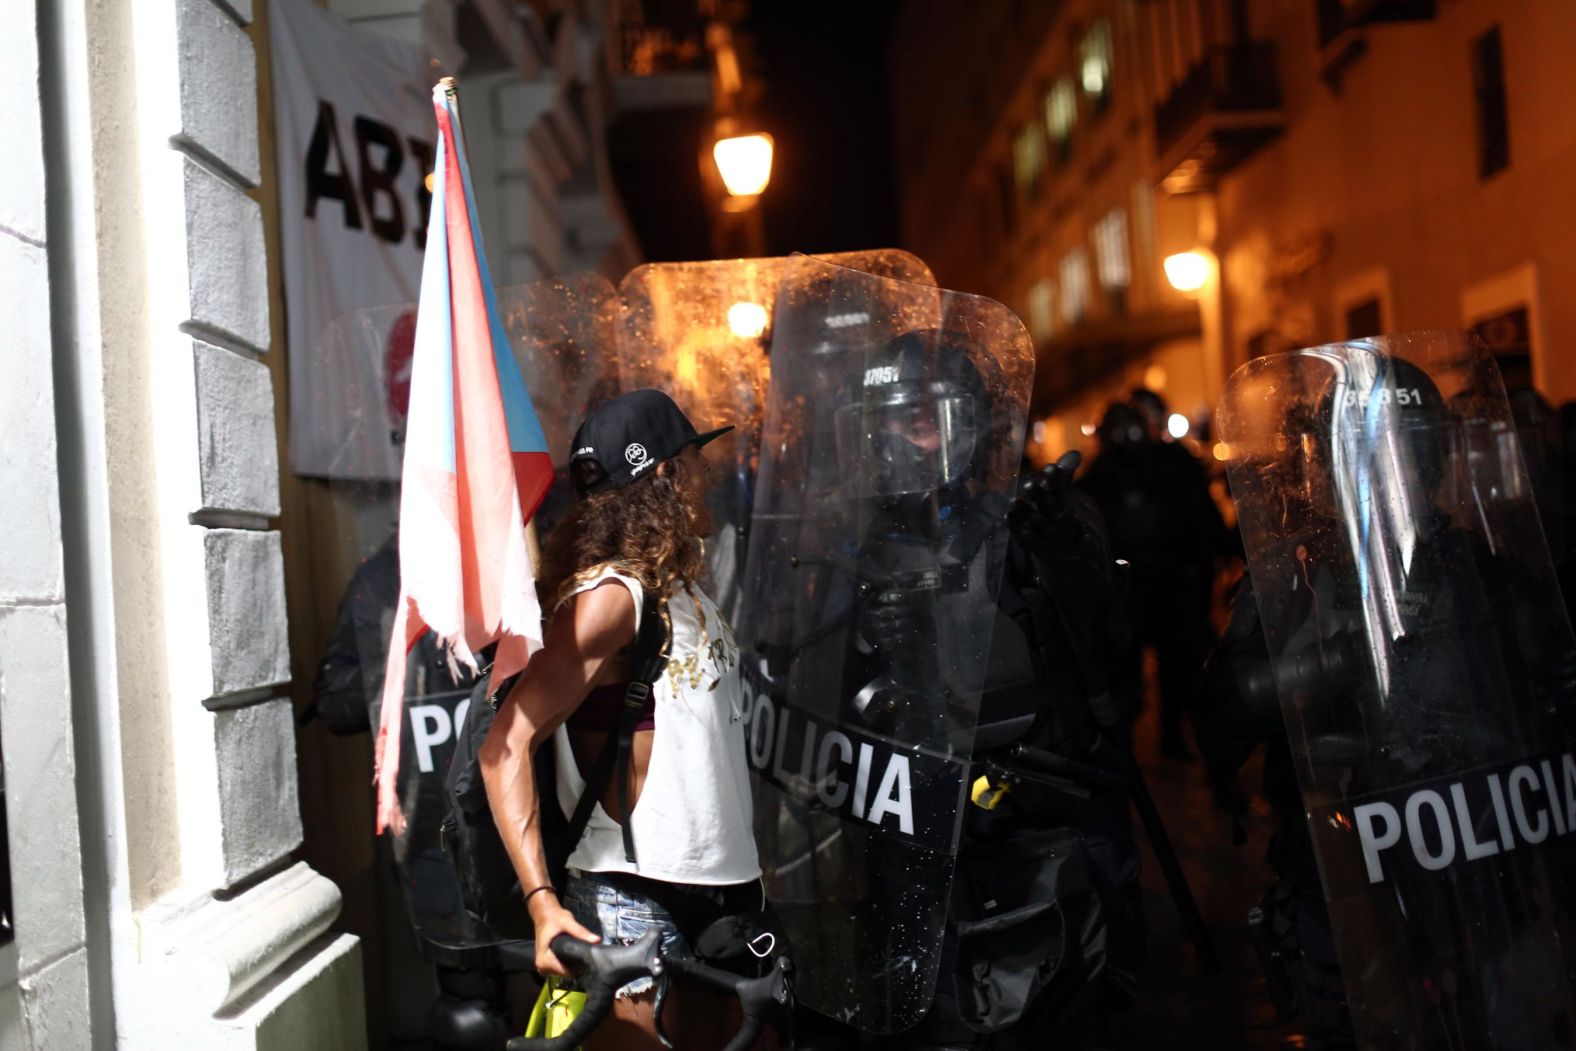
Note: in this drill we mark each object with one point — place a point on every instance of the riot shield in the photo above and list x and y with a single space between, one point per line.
354 424
578 342
1424 664
564 332
701 332
564 336
892 436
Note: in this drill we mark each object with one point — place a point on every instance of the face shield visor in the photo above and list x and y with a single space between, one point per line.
1484 464
905 438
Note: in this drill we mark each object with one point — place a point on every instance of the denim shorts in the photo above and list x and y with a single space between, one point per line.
611 905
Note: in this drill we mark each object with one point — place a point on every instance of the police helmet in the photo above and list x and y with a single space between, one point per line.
918 419
1122 427
1392 423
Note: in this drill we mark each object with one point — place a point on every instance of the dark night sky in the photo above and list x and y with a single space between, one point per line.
825 104
824 63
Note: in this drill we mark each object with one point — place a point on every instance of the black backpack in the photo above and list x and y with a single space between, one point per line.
488 885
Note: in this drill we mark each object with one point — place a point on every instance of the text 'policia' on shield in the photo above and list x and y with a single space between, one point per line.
1453 821
910 793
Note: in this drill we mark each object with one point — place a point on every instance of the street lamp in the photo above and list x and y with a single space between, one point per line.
1187 271
747 320
745 163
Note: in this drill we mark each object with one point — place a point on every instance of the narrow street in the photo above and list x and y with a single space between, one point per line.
1180 1006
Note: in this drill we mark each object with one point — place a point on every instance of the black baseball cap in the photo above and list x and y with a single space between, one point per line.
630 435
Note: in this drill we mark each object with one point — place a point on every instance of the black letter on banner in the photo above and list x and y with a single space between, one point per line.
380 181
421 152
320 182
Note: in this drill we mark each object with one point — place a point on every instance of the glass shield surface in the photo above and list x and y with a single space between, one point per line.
354 515
356 420
1424 662
867 614
563 334
702 332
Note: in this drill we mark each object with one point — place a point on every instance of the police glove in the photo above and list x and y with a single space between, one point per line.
1061 531
1041 515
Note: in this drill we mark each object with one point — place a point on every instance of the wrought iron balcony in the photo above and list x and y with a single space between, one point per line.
1343 25
1227 106
1340 16
1093 352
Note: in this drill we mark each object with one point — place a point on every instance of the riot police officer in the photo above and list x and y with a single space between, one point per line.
1043 933
1400 613
1154 497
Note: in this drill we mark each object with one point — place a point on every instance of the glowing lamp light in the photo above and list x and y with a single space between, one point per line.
1222 451
747 320
1087 430
1094 75
1177 425
745 162
1187 271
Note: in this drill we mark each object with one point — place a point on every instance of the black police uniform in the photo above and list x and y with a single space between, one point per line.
1154 497
1471 647
1044 934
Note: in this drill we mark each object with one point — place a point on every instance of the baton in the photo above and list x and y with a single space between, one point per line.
1047 762
1170 866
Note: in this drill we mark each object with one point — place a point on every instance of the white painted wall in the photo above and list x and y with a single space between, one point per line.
197 932
44 973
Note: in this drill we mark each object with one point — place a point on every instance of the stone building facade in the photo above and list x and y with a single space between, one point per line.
157 604
1030 178
1343 169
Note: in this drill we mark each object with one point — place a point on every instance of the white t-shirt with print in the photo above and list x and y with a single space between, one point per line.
692 821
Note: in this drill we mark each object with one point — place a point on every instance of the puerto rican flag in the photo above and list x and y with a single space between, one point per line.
476 463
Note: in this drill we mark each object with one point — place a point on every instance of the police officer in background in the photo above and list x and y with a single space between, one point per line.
447 999
1154 498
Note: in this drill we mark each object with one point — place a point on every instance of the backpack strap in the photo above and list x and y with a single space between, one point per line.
648 660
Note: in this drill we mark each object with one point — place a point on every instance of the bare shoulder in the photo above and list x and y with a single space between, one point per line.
598 622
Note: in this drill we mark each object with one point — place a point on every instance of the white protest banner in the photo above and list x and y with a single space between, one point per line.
355 141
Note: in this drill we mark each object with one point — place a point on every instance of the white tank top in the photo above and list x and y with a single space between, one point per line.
692 821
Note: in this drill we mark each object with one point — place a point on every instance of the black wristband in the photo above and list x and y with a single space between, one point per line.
538 890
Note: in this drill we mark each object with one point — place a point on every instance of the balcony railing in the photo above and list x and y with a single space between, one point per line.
1093 352
1226 106
1339 16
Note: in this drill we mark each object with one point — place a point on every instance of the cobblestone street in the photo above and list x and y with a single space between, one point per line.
1180 1006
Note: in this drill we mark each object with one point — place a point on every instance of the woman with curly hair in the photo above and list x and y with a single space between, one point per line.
638 526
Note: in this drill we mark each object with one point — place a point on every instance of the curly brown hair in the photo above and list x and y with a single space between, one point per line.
642 529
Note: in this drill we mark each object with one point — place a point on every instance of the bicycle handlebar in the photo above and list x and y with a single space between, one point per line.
607 968
604 969
759 997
